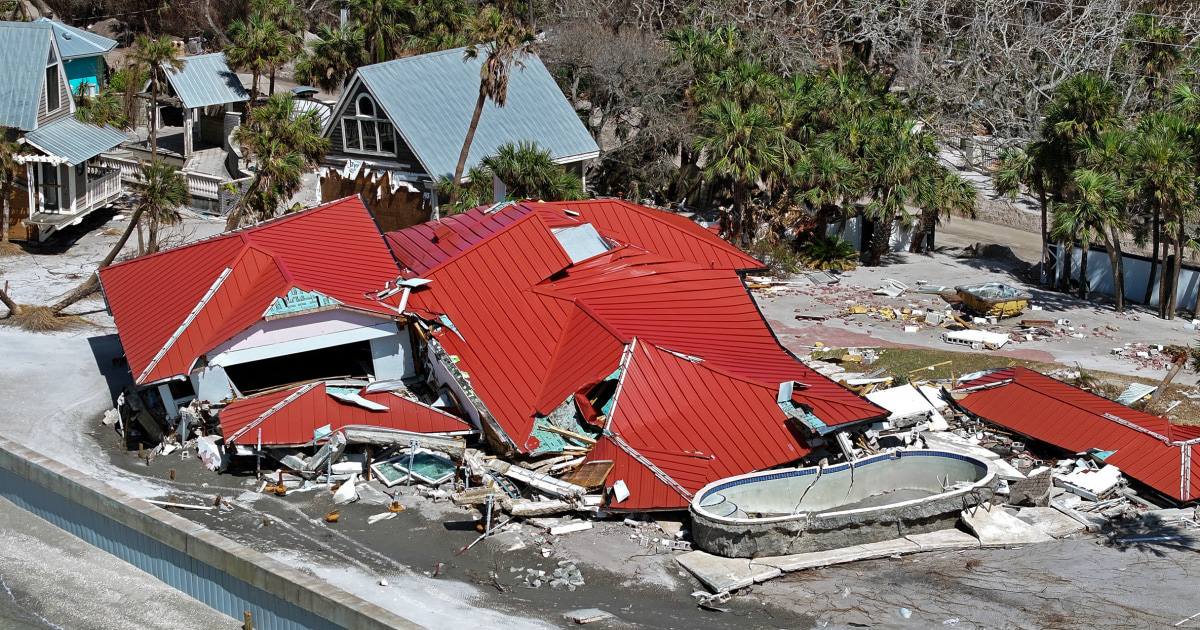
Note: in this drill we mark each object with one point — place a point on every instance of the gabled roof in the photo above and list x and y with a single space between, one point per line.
678 425
74 42
532 328
431 98
172 307
290 417
425 246
74 141
1147 448
25 48
206 80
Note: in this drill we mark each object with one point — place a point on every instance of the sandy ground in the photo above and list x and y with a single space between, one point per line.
55 387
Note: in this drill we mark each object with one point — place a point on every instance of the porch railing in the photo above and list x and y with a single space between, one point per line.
103 189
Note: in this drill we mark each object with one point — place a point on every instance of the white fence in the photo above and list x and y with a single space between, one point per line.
1136 276
201 185
103 189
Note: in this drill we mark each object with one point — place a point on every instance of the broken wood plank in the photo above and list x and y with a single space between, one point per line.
571 434
591 474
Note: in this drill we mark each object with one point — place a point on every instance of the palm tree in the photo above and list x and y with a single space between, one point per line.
942 195
103 108
1158 47
1164 181
528 172
505 45
290 24
898 162
330 61
155 55
257 45
827 180
438 25
9 151
284 143
163 190
744 146
1094 208
1029 168
383 24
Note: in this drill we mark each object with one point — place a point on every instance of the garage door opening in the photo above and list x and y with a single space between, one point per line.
350 360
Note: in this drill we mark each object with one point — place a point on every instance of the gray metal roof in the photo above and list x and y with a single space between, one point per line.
207 80
74 42
24 48
76 141
430 98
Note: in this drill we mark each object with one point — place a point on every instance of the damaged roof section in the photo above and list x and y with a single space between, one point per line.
534 322
1147 448
173 307
302 415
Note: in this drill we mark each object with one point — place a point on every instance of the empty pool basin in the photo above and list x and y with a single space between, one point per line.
799 510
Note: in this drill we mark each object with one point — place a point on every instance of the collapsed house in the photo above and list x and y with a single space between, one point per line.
277 327
1147 448
611 332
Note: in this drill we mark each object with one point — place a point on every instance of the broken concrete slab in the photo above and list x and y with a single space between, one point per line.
998 528
942 540
587 615
1064 503
725 574
1051 521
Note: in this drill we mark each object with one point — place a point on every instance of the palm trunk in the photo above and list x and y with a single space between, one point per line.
1154 230
1083 271
7 192
254 86
1045 238
154 117
271 87
93 281
880 239
1065 272
1175 268
1112 244
152 246
466 148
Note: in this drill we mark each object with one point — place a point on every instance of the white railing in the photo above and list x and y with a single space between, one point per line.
104 189
130 169
203 184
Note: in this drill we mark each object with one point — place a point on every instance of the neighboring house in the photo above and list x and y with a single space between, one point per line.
83 55
629 325
407 119
274 306
64 179
199 108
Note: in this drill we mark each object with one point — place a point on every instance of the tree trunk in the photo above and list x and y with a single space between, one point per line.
466 148
1112 244
1065 271
1045 239
141 241
881 237
927 222
234 219
7 192
1163 276
1083 271
1175 268
271 87
154 115
152 246
1154 230
253 87
14 309
93 281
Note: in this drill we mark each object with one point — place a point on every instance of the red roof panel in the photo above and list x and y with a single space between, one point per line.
1054 412
693 422
312 408
158 301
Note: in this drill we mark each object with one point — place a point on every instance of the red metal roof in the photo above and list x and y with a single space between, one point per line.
1032 404
428 245
694 423
173 306
311 407
535 329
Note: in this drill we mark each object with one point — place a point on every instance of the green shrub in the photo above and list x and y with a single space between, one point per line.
829 252
780 259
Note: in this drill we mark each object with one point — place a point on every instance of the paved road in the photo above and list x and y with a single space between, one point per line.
960 232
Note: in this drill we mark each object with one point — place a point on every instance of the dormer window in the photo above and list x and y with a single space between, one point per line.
365 130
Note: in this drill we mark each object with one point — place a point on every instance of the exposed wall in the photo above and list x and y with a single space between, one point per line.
392 356
393 210
223 574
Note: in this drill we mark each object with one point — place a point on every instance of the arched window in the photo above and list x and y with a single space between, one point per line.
366 130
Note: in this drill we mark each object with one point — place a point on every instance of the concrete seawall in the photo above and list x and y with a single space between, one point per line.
219 572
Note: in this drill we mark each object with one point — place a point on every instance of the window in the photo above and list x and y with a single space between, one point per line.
53 101
365 131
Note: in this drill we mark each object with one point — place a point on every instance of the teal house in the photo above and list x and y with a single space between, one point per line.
82 54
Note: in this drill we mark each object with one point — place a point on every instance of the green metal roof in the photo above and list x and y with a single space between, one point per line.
25 48
75 141
74 42
431 98
207 80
